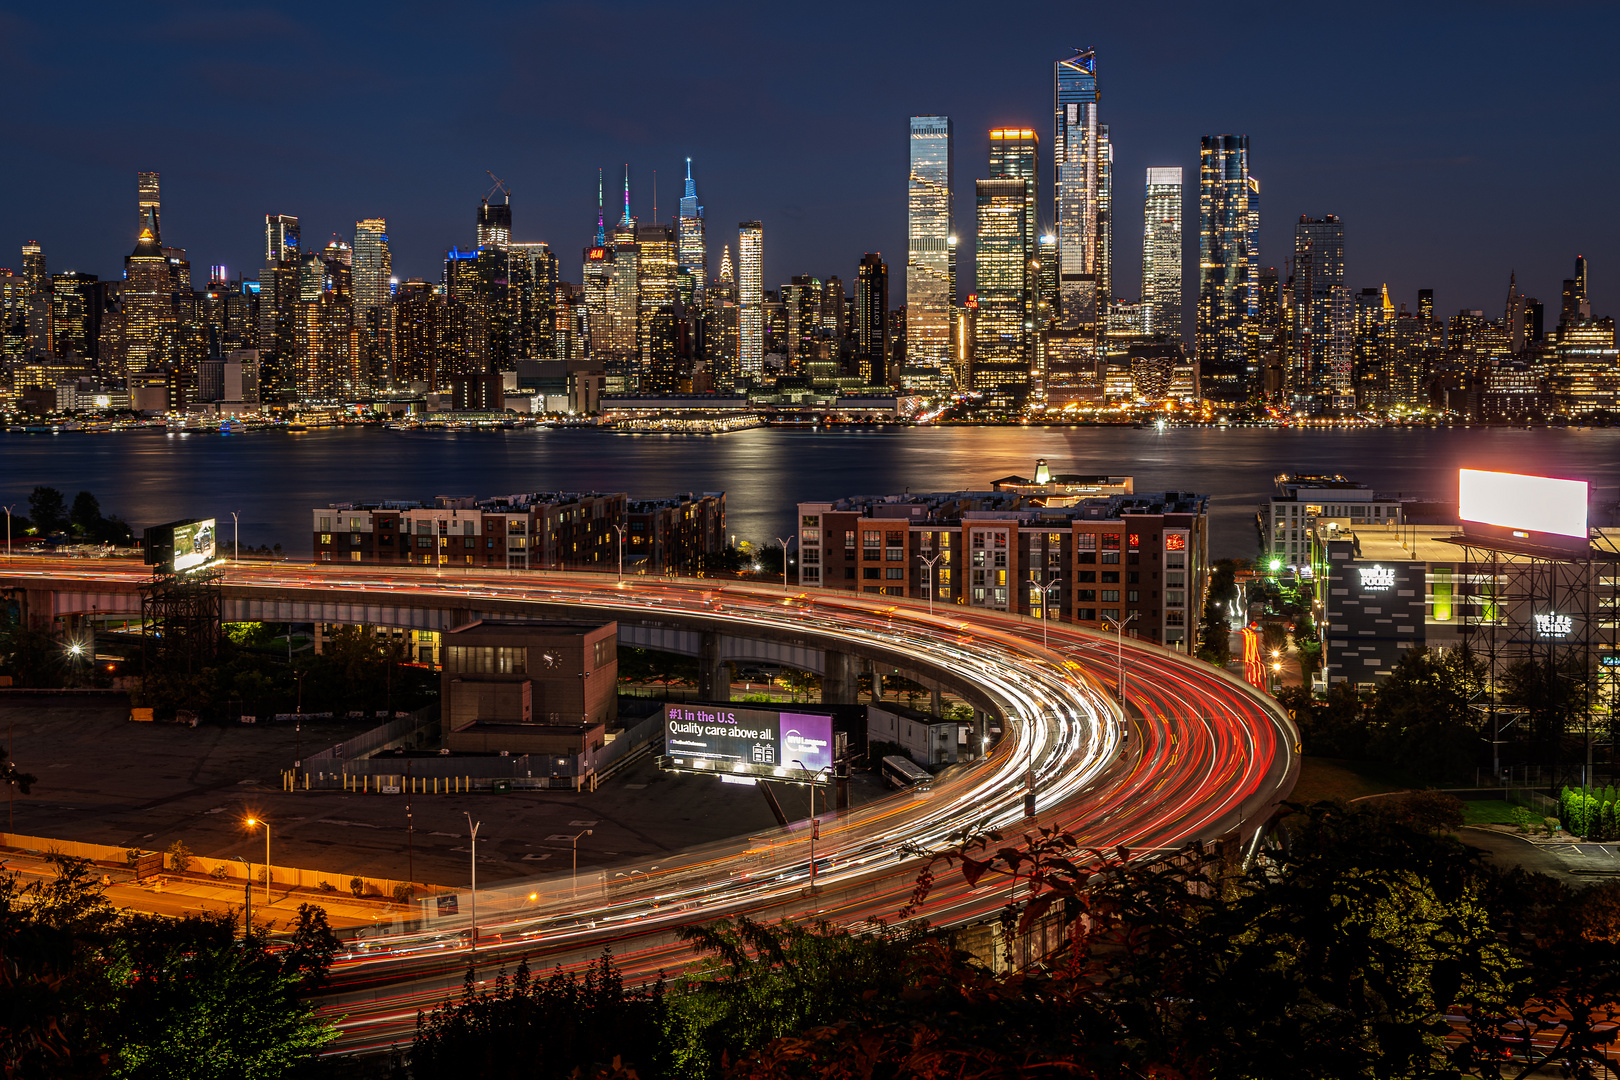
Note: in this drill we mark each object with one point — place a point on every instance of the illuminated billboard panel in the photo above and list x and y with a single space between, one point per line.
1534 510
193 545
751 741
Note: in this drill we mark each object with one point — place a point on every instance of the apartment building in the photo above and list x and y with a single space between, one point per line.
1142 558
1286 521
677 535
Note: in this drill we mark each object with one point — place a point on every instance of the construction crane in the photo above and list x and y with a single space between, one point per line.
500 185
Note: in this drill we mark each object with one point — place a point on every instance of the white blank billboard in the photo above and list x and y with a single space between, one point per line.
1528 503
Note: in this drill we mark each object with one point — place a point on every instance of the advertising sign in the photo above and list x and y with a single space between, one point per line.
1532 510
193 545
768 742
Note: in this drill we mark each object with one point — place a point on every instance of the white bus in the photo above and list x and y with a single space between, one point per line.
902 772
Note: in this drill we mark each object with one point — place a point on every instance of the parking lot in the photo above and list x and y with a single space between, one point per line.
105 780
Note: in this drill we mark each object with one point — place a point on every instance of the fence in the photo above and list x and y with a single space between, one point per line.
451 775
1537 802
383 737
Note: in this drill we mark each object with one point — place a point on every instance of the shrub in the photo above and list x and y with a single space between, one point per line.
131 857
326 886
179 857
1552 824
357 886
403 892
219 872
1608 821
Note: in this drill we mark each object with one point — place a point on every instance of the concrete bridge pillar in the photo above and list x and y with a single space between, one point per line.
937 702
841 679
714 674
877 685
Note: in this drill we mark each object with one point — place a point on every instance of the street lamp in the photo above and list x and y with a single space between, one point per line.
620 531
1119 649
251 822
575 841
8 529
815 822
930 563
1046 603
472 828
785 544
236 539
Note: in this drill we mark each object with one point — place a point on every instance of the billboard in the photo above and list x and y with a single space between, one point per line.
181 546
1515 509
756 741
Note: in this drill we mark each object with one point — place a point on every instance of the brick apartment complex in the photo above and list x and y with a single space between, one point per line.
1108 556
675 535
560 530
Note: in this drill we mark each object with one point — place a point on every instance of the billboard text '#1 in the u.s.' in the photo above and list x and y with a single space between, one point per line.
759 742
1514 510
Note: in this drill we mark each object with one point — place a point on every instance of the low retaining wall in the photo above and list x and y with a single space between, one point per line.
284 876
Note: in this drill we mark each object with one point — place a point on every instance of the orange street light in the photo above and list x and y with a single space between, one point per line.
251 823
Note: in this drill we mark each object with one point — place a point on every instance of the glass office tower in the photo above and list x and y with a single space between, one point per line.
1161 254
930 255
1228 266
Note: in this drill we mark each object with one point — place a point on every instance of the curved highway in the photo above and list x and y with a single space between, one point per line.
1193 754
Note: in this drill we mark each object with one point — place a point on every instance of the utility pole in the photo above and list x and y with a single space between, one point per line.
236 539
474 859
1046 603
410 829
1119 651
931 563
785 544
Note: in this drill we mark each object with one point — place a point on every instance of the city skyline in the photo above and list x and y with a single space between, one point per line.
1153 108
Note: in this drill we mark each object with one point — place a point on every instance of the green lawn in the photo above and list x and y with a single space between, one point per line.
1488 812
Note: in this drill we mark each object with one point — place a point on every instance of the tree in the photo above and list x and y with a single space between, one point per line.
179 857
541 1029
1421 715
48 510
85 516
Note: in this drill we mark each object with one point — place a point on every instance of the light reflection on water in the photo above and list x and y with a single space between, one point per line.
275 478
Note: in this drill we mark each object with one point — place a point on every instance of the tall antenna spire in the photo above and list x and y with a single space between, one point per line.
655 196
626 222
601 223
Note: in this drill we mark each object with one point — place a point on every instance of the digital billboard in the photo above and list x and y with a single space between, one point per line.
1536 511
759 742
181 546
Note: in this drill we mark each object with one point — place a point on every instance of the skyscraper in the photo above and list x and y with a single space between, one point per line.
1161 254
1105 217
495 223
656 291
280 239
1077 150
872 320
693 252
1004 323
1321 371
373 264
751 299
930 254
1228 265
146 187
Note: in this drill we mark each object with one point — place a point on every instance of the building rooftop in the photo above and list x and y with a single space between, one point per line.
954 506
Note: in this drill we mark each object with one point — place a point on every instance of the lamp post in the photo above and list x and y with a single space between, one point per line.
575 841
620 531
8 529
247 891
931 563
815 822
251 822
1046 603
236 538
1119 650
472 828
785 544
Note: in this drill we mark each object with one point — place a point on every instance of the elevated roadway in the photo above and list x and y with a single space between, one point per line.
1190 754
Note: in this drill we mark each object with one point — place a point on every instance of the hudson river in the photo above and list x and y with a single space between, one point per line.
274 478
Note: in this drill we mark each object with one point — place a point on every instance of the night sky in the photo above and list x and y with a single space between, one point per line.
1457 141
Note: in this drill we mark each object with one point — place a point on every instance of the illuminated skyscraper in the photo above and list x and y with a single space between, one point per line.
495 223
1014 155
1077 148
930 255
751 299
872 320
1228 267
146 185
693 252
1321 363
1161 254
1105 217
534 267
656 290
1003 325
373 264
280 239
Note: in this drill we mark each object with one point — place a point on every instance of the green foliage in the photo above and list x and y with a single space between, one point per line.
95 993
179 857
32 658
357 886
247 633
48 510
1608 821
540 1029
